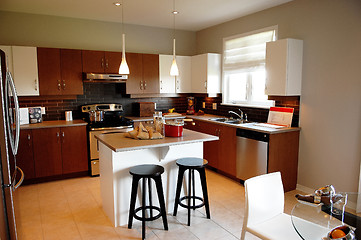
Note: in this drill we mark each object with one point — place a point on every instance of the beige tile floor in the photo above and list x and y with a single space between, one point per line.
72 209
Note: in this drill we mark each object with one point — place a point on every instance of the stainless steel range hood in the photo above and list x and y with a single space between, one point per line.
102 77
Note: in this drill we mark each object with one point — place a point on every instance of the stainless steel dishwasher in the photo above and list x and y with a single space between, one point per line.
252 151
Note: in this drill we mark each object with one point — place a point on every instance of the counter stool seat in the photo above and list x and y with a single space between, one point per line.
147 172
191 164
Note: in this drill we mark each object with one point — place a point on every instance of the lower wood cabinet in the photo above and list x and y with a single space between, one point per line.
55 151
220 154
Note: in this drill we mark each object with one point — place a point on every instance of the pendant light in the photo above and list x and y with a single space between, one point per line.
123 68
174 68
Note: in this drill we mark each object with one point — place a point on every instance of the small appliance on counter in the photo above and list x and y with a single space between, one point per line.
35 115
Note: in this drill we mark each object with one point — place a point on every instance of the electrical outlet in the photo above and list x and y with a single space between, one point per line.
155 105
214 106
42 110
203 104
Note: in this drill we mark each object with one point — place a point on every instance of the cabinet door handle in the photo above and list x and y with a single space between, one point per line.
63 84
29 138
102 64
58 136
205 85
63 137
141 85
36 84
106 63
145 84
59 85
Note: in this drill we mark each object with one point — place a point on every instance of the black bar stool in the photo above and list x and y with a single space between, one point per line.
146 172
191 164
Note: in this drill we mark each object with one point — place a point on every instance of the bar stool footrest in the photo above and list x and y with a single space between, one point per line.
191 206
147 218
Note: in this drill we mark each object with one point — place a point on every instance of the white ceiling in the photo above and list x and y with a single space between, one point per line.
193 15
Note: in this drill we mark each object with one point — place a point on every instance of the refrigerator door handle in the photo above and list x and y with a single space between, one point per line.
14 142
21 178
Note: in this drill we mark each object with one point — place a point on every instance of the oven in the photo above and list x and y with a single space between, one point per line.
103 119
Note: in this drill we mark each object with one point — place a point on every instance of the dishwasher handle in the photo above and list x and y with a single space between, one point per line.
259 136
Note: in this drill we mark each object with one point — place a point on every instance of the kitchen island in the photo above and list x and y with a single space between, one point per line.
117 154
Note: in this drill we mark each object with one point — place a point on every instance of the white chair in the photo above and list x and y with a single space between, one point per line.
264 216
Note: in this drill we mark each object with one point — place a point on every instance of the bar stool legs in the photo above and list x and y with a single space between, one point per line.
146 173
191 164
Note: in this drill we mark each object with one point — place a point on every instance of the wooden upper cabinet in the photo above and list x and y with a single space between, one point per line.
112 61
144 73
101 61
151 73
134 81
93 61
71 72
49 71
60 71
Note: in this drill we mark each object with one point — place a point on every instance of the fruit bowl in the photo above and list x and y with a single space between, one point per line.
343 232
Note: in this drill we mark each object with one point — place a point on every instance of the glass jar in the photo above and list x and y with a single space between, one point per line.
158 121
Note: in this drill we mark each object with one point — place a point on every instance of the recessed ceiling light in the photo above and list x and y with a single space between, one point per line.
117 4
175 12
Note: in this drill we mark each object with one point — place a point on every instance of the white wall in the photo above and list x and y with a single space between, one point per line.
48 31
330 111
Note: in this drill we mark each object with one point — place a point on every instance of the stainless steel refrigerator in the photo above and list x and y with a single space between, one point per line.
9 140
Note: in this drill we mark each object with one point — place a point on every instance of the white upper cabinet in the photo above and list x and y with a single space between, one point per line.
22 63
26 71
284 67
171 84
206 73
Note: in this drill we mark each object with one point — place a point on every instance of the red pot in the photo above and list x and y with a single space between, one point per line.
173 130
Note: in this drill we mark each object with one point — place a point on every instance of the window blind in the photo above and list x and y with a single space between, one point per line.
246 53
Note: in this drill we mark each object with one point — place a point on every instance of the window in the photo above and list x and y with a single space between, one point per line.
244 74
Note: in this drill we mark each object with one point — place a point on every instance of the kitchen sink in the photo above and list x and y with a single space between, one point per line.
230 120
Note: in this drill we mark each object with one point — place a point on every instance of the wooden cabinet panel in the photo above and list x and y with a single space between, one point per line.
74 149
134 81
71 72
93 61
151 73
49 71
227 150
60 71
112 62
25 157
47 152
283 157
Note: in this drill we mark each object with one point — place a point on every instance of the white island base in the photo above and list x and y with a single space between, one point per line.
115 180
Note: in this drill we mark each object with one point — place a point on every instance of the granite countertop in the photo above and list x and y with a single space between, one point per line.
118 142
55 123
247 126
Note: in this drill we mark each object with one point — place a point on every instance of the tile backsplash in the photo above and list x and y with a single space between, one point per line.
55 107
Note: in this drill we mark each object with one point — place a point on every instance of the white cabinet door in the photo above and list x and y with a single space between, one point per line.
166 81
284 67
25 70
206 73
9 57
171 84
184 80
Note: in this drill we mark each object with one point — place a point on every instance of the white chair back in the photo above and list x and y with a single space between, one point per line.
264 198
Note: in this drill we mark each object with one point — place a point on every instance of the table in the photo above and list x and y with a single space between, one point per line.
117 154
313 221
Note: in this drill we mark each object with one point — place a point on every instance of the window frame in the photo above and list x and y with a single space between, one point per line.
268 103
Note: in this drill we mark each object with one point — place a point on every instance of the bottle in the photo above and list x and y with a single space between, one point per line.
158 122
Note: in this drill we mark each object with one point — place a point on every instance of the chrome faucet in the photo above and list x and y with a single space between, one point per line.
239 116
